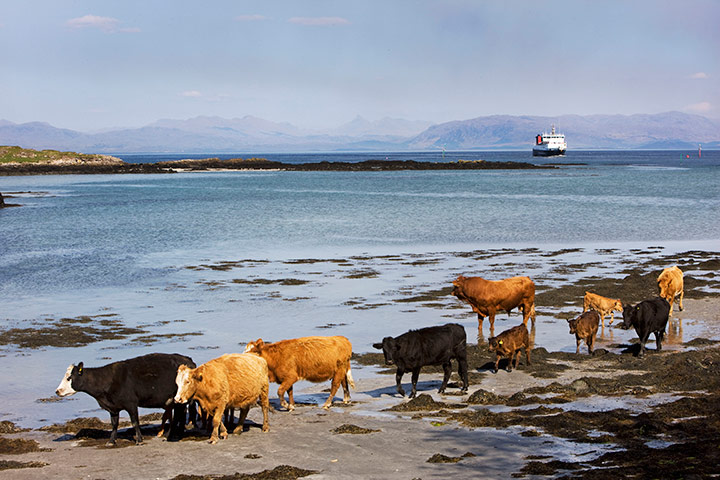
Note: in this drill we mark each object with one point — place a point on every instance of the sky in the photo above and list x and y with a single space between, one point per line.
95 64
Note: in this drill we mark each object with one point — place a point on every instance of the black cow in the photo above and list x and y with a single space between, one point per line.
147 381
427 346
648 316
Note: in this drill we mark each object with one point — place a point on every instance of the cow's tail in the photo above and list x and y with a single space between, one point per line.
350 380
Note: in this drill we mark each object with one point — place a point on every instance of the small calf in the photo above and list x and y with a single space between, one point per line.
509 343
602 305
585 327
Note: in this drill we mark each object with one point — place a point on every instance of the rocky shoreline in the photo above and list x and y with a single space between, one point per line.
120 167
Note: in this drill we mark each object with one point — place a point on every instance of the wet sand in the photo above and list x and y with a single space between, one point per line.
566 414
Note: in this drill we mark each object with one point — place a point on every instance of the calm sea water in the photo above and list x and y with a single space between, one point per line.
311 253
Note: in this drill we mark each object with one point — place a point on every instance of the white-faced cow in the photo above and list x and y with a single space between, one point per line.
488 297
427 346
147 381
648 316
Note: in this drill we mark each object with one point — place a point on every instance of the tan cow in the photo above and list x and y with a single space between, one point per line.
585 327
670 282
233 380
315 359
602 305
487 297
509 343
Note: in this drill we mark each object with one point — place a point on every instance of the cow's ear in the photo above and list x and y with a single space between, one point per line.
377 345
259 343
199 377
80 368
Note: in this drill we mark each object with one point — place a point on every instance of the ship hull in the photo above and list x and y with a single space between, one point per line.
547 153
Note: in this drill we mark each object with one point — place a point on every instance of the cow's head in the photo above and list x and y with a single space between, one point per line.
255 347
72 374
629 313
458 287
572 323
186 380
494 343
389 347
617 306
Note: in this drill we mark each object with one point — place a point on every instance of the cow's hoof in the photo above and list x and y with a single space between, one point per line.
412 395
213 441
110 444
290 408
326 407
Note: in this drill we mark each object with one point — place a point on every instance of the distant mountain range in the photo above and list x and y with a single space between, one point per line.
672 130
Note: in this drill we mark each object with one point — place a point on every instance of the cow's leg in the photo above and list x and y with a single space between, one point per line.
481 317
177 422
510 360
491 317
229 417
415 376
590 343
334 385
577 344
286 386
463 372
265 406
166 418
612 318
133 411
398 379
659 335
643 340
346 386
114 421
670 301
527 354
497 363
447 371
218 429
241 421
680 305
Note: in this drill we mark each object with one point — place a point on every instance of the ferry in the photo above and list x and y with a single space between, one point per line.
548 144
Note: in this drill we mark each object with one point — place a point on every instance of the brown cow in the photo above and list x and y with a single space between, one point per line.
232 380
670 282
487 297
509 343
585 327
315 359
602 305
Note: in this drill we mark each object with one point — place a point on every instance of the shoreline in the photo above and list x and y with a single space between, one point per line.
566 414
214 164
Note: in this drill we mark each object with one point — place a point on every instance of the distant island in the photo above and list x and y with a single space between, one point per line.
21 161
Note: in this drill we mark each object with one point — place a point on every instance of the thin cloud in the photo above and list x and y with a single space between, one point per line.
701 107
251 18
191 94
106 24
699 76
319 21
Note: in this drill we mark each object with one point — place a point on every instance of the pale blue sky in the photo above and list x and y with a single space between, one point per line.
93 64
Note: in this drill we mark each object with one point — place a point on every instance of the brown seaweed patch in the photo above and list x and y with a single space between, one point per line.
428 296
13 465
362 273
281 472
353 429
7 426
19 445
266 281
332 325
67 332
422 402
544 468
173 337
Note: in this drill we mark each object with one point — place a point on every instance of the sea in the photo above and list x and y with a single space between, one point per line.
200 263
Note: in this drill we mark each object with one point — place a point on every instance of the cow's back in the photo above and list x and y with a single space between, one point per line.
513 339
670 282
509 291
234 379
588 323
313 358
431 345
148 379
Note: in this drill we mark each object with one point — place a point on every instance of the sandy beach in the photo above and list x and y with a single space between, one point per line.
565 414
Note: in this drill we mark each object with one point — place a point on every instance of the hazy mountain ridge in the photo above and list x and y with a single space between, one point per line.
252 134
